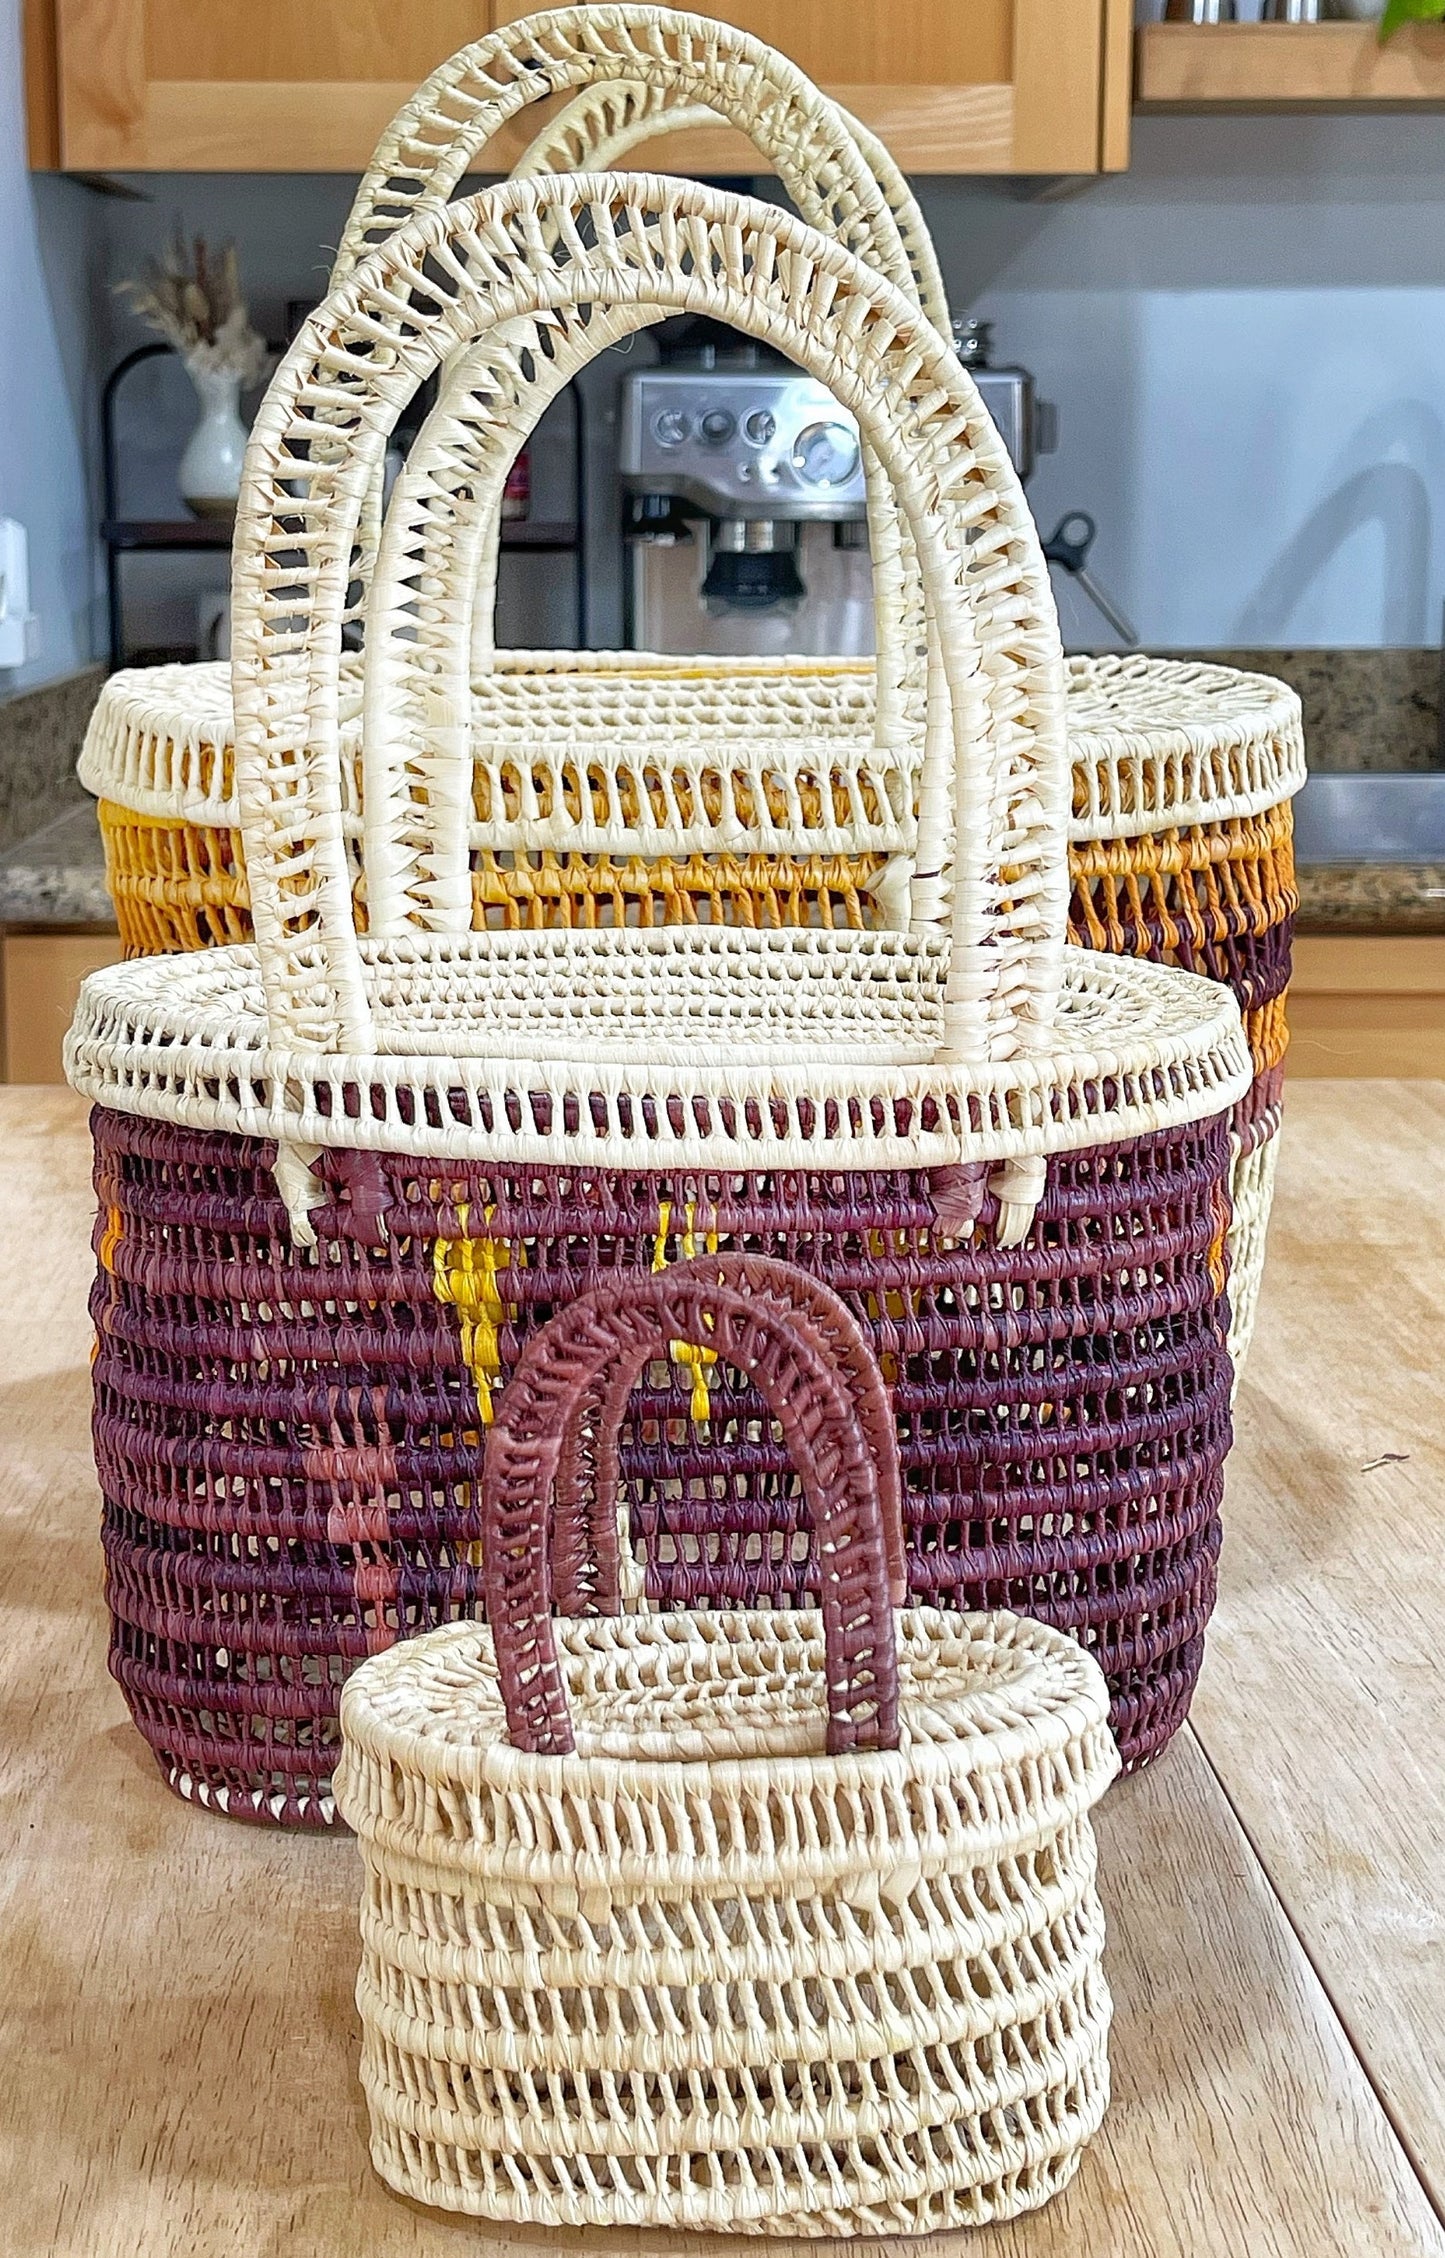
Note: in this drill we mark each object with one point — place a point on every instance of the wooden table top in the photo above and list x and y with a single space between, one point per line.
177 2069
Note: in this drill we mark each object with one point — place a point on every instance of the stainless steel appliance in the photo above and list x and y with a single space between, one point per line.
745 523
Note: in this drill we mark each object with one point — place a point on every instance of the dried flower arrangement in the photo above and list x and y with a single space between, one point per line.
193 299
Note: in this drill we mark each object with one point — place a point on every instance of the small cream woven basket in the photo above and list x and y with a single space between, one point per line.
643 1943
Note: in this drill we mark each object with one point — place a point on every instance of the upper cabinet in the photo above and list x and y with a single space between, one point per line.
270 86
1318 66
953 86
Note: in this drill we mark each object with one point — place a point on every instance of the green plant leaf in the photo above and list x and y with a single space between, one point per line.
1409 12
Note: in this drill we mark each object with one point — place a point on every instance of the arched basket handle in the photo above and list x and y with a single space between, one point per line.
662 56
804 1352
624 60
994 788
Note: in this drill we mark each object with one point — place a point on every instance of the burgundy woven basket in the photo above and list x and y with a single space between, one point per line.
290 1439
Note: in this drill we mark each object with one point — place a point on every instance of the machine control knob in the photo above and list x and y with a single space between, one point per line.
825 454
670 427
759 426
716 426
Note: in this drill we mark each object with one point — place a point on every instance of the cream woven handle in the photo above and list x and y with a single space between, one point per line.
602 125
691 60
437 137
996 777
605 123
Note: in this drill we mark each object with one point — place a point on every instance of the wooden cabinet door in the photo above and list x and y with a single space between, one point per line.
270 86
952 86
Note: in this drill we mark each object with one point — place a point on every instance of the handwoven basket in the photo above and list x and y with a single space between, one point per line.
1008 1157
643 1945
1180 846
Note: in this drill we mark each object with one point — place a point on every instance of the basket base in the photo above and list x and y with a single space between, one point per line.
253 1805
932 2210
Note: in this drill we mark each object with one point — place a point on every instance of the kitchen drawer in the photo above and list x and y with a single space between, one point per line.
40 976
1368 1004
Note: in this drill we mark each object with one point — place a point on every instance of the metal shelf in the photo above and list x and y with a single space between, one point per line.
131 533
127 536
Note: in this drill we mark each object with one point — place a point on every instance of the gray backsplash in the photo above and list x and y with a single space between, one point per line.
40 737
1366 709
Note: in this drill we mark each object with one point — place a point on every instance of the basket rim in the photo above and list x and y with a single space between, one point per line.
1058 1686
1137 1047
159 738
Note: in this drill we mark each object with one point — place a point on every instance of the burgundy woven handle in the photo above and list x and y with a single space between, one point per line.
542 1535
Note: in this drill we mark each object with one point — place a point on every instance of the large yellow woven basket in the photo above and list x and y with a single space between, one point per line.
1180 846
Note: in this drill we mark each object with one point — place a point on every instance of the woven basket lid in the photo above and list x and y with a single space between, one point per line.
1157 743
669 1046
674 1710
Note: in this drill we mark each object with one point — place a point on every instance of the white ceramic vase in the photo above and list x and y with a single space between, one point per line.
210 472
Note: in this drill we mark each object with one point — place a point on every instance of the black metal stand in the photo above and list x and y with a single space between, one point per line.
127 536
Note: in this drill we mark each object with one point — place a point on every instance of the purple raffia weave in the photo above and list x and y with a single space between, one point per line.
290 1444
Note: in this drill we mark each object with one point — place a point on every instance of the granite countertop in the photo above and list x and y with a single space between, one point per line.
57 875
1371 897
1364 710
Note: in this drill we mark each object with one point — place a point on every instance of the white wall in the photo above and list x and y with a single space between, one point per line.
50 252
1245 337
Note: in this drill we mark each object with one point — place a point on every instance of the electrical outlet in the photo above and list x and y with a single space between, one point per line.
19 625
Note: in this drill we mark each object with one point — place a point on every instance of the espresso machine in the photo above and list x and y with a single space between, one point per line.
745 522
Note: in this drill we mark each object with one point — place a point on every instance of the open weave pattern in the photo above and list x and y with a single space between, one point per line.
435 140
1251 1188
700 1045
992 776
289 1439
605 123
839 178
716 1979
666 1920
994 773
550 1487
1156 745
175 885
1218 899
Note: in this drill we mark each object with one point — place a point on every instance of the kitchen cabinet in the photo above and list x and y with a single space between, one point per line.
1362 1005
40 976
993 86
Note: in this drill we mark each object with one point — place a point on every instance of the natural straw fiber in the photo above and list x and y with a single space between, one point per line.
1159 749
767 1922
345 1176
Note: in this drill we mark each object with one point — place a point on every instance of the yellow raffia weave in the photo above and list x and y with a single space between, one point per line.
464 1275
178 886
175 885
698 1361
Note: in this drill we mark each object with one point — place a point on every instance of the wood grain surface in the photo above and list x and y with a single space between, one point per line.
1025 86
177 2039
1259 66
1321 1703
